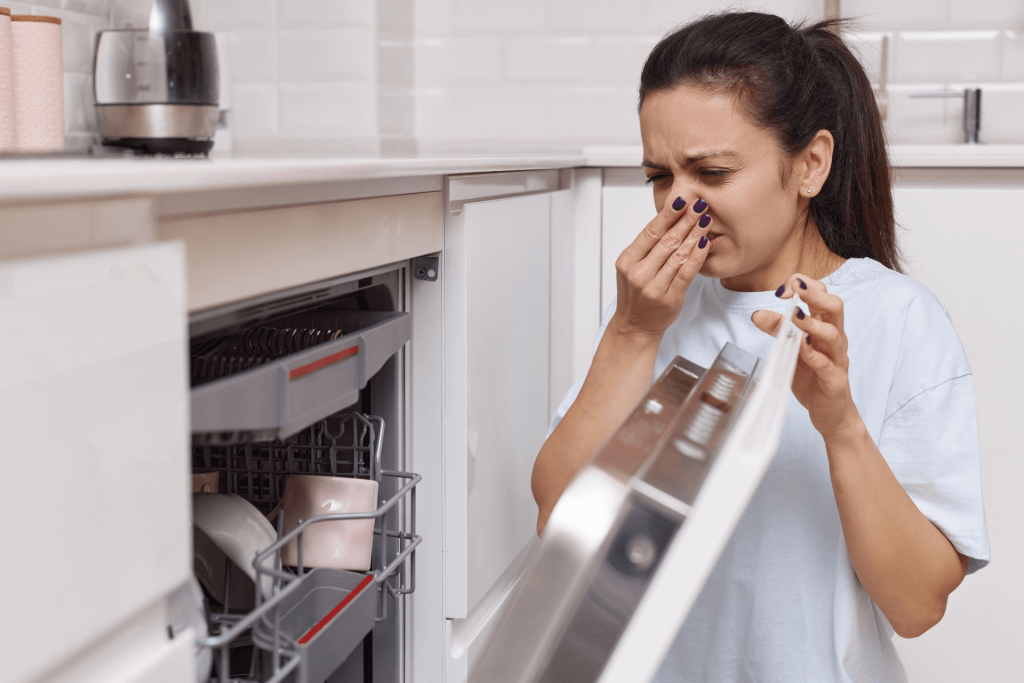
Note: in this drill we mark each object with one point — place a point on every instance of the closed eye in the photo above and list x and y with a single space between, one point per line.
656 178
709 173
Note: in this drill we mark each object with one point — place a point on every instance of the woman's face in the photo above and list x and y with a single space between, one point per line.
699 144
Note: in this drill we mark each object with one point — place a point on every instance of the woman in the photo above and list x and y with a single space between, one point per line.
766 154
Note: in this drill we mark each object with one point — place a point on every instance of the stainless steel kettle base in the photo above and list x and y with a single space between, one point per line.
157 121
169 146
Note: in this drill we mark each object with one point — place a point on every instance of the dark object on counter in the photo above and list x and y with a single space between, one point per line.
157 88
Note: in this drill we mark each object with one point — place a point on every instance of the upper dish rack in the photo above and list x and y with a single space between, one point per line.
266 383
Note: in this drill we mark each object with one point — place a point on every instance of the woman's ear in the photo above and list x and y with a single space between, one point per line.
817 163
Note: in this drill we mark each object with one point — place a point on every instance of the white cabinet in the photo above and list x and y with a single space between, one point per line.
93 409
511 270
963 235
508 288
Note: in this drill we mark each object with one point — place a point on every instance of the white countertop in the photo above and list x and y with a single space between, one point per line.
41 178
32 179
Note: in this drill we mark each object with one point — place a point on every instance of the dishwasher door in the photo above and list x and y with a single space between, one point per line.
632 540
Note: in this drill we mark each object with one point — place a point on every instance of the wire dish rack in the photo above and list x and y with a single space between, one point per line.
314 618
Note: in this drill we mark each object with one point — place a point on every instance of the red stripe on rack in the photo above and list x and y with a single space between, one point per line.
308 636
306 369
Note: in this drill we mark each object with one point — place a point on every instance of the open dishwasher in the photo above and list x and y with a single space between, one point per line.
628 547
303 384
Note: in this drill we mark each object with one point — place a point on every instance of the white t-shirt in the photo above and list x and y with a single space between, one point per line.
783 603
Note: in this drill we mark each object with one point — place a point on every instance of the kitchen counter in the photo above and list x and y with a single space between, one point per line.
34 179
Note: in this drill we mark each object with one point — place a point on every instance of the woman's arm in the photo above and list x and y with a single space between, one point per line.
906 565
903 561
652 276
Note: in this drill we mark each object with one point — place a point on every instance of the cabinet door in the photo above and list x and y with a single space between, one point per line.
963 235
93 409
507 342
627 207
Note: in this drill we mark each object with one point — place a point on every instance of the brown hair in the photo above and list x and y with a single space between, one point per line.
795 81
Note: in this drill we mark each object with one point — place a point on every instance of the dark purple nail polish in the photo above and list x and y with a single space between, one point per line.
780 290
800 314
700 206
678 203
808 340
803 285
704 221
702 243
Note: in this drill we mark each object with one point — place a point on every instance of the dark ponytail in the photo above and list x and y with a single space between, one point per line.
795 81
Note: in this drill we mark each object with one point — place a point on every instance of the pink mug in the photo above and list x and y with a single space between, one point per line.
345 544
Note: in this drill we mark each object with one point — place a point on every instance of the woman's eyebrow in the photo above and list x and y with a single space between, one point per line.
700 156
692 159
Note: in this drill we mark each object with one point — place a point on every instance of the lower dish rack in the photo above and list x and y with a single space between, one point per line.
314 618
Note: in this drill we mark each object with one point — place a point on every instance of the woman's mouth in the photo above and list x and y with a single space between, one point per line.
713 237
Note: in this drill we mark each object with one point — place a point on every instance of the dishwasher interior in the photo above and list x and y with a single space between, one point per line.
305 386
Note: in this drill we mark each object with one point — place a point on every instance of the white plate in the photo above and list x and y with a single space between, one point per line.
235 526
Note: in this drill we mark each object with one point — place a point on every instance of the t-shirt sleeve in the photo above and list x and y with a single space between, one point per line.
929 435
574 390
931 445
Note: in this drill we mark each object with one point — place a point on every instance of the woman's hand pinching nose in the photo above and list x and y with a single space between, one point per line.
653 273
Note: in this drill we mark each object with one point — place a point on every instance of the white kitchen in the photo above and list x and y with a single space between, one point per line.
292 290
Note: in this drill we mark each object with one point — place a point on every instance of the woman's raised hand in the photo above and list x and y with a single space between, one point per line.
653 272
821 382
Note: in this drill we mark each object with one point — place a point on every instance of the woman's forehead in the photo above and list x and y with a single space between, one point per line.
690 123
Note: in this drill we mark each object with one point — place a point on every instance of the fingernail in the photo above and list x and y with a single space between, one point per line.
678 203
700 206
808 339
800 314
702 243
780 290
803 285
704 221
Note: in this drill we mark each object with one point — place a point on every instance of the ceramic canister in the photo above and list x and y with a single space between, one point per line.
6 83
38 84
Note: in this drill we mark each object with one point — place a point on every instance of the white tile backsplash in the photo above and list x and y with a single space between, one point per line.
590 16
232 15
593 115
1002 112
457 61
321 14
331 110
928 120
940 56
503 17
898 14
324 56
547 60
254 57
972 14
618 60
255 110
550 72
1013 56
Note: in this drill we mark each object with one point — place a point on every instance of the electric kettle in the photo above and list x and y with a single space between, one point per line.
157 88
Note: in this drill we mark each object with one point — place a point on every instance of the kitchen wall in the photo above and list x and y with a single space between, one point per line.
367 76
563 72
319 76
